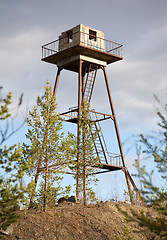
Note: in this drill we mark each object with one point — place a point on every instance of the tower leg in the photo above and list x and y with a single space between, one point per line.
83 141
78 130
118 136
56 81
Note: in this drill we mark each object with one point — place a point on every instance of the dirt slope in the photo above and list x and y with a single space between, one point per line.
70 221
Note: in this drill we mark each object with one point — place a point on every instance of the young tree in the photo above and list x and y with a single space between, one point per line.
88 158
10 196
49 150
127 233
53 193
156 148
7 118
11 188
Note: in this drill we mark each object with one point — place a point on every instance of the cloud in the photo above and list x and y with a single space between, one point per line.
140 26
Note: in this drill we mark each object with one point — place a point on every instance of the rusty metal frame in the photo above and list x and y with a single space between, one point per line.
56 81
117 133
78 129
75 113
75 110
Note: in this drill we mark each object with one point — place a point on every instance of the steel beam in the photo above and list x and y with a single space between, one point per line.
78 129
57 81
118 136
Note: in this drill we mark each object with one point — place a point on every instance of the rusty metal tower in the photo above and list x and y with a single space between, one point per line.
84 50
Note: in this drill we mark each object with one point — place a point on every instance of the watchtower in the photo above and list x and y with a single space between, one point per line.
84 50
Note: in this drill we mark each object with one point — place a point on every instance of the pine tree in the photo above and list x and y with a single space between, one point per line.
156 149
127 232
88 158
10 196
11 188
53 193
49 150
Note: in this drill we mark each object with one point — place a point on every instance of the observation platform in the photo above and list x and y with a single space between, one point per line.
81 43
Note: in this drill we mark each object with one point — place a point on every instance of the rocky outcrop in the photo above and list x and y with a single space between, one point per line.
71 199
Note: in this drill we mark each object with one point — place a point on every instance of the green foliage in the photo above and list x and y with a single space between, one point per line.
7 118
157 225
156 149
51 194
11 188
49 150
127 232
88 159
5 103
9 203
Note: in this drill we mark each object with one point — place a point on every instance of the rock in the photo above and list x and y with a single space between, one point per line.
72 199
62 199
113 200
8 231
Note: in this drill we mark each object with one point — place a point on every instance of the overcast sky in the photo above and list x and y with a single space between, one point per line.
141 26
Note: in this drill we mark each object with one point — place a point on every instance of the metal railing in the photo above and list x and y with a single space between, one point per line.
114 159
73 112
83 39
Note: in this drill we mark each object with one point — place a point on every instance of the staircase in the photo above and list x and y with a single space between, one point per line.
105 157
100 144
89 83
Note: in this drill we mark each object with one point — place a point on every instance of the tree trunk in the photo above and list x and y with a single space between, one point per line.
46 164
33 191
45 188
37 175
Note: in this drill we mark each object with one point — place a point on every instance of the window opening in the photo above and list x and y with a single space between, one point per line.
69 36
92 35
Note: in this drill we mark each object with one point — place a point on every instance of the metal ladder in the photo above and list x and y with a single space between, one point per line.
100 144
89 83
